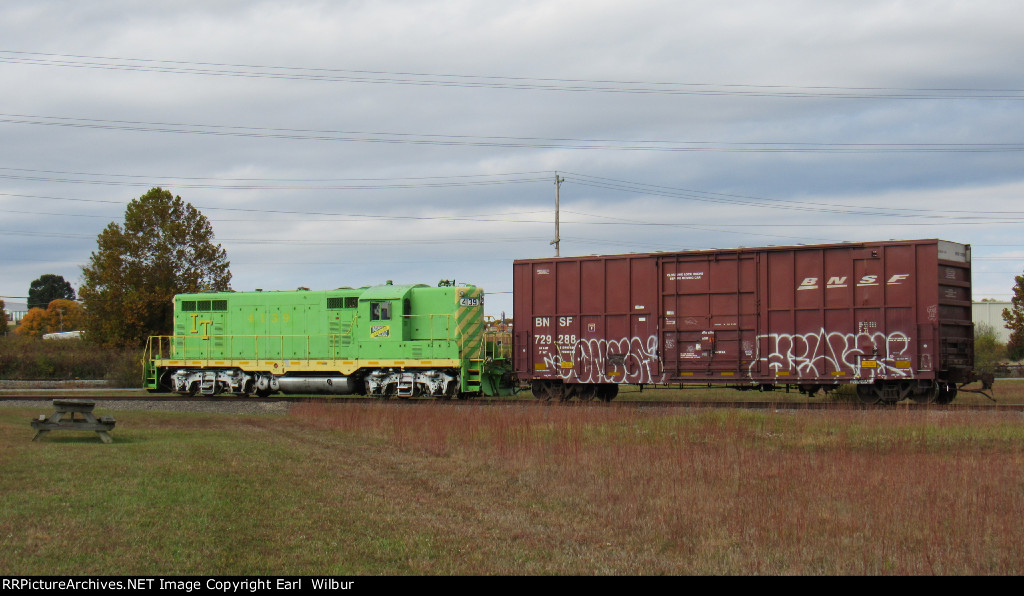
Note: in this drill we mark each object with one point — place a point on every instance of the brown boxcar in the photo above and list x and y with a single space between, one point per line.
892 317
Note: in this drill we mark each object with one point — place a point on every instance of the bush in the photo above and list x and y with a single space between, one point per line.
30 359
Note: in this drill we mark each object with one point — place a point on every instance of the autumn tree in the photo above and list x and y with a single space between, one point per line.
65 315
3 319
1014 317
59 315
34 324
165 247
47 288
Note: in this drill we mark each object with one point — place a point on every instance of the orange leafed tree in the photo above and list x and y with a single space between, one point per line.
60 315
65 315
34 324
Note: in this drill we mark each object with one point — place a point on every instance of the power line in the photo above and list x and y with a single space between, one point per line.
326 135
417 182
942 217
489 217
521 83
225 183
752 201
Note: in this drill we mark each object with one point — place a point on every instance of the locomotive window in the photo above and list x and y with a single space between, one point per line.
380 311
204 305
343 302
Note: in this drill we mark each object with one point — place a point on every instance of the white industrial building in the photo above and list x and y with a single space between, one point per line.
15 311
991 313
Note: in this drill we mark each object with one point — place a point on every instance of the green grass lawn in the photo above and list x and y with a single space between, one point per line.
430 489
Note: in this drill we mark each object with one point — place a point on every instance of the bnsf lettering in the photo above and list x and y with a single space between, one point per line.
811 283
546 321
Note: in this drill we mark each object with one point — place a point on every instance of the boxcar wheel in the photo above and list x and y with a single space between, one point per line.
926 396
545 390
607 392
586 392
868 394
946 393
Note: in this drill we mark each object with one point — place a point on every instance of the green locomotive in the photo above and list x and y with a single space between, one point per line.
386 341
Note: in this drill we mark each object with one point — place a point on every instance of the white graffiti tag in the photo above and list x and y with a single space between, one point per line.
820 353
627 360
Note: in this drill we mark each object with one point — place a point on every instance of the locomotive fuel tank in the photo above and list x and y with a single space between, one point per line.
333 385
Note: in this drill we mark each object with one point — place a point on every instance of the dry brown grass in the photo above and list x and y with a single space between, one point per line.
433 489
620 491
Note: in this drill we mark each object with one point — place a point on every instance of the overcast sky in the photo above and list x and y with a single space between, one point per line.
340 143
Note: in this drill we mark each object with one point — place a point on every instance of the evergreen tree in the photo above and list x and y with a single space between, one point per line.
47 288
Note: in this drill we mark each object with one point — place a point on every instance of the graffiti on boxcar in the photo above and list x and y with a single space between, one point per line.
822 352
627 360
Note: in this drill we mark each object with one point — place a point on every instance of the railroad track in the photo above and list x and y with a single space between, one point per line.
45 396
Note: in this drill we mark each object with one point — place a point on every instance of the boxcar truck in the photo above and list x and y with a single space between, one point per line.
892 318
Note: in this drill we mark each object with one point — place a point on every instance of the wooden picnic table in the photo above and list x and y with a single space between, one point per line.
64 418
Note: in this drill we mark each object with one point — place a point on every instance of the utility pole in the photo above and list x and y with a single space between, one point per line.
558 186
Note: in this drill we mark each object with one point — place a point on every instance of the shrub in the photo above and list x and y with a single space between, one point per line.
27 358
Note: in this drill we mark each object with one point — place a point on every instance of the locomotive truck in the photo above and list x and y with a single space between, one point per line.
892 318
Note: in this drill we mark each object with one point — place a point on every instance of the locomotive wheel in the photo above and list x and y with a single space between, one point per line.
245 389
